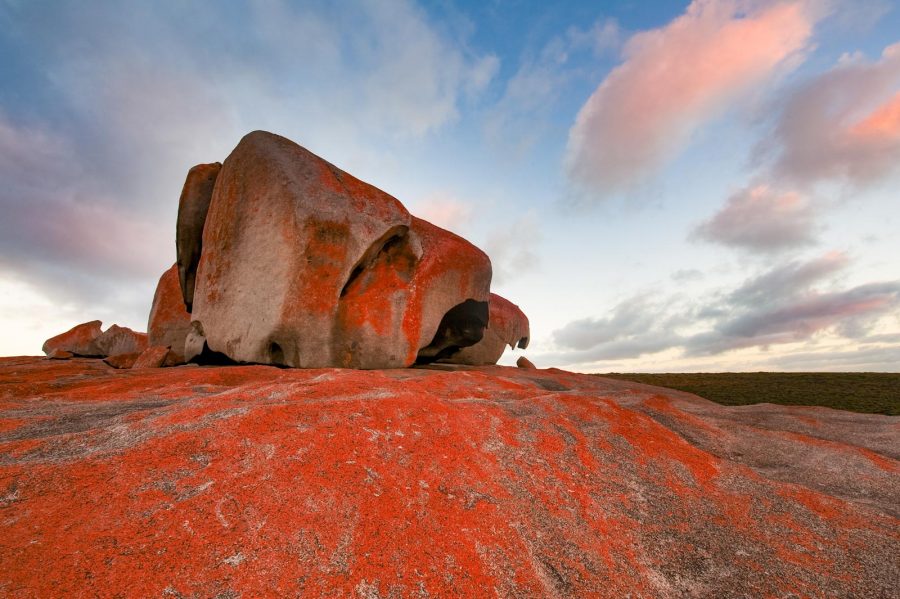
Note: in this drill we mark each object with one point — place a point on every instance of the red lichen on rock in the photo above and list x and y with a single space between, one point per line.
122 360
257 481
152 357
79 340
508 326
120 340
169 321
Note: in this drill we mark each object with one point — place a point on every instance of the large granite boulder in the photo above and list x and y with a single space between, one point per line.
304 265
508 327
192 208
169 322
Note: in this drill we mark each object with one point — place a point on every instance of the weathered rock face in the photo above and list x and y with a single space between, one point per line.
169 322
120 340
304 265
152 357
425 295
508 327
192 209
259 482
79 340
122 360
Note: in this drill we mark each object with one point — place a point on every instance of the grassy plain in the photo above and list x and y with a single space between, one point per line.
868 392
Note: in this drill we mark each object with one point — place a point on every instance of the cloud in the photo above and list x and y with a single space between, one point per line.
676 78
444 211
511 247
760 219
843 125
521 116
787 280
791 303
634 327
114 104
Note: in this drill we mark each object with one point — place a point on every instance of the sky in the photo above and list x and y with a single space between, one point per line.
661 186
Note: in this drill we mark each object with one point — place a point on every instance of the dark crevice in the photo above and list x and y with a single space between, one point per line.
523 343
276 354
208 357
463 325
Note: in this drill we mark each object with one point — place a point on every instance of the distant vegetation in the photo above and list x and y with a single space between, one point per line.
868 392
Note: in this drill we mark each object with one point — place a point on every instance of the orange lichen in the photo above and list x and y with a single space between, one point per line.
493 481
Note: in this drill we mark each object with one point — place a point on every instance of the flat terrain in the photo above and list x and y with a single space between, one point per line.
866 392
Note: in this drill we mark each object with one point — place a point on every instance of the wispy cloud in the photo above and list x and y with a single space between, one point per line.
790 303
444 210
95 144
843 125
676 78
522 114
512 247
760 219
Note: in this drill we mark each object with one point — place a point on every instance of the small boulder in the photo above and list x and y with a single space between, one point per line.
122 361
524 362
60 354
152 357
169 321
508 325
79 340
120 340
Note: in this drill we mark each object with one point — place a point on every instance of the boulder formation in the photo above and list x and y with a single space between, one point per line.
508 327
285 259
304 265
91 341
79 341
120 340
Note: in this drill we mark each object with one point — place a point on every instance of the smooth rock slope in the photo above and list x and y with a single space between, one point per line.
257 481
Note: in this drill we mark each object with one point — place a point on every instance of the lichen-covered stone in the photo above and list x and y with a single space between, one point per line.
79 340
472 482
122 361
120 340
152 357
424 295
508 327
304 265
192 209
169 321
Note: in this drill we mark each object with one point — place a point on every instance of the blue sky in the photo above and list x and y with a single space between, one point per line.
661 185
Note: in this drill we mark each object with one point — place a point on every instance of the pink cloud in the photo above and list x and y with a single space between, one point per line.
842 125
674 79
445 211
760 219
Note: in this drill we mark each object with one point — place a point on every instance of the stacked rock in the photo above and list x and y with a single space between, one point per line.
285 259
